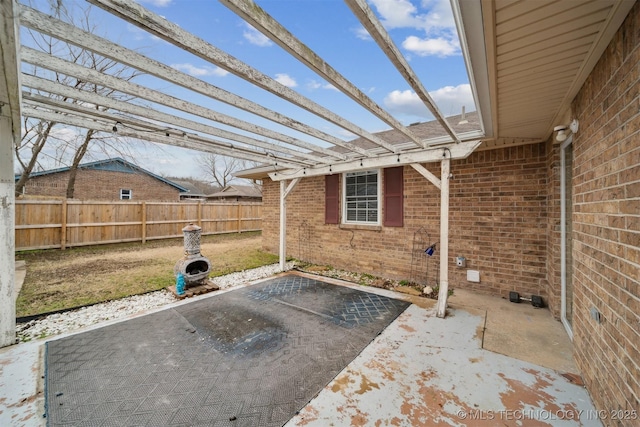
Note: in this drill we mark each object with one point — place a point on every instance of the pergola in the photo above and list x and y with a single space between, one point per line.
290 158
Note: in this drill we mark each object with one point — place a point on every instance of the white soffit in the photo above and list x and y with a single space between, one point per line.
538 54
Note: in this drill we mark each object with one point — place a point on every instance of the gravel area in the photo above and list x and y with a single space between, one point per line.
59 323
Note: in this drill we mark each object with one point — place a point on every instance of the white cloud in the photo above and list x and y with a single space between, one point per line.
431 47
397 13
158 3
255 37
436 14
449 99
286 80
315 84
405 102
200 71
432 18
362 33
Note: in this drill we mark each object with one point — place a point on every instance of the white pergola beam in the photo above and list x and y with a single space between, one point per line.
65 67
455 151
425 173
86 97
40 22
172 33
194 142
261 20
368 20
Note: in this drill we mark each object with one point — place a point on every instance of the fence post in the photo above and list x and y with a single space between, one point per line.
63 225
144 222
199 214
239 219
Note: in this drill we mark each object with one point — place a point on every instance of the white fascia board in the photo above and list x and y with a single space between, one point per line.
468 16
454 151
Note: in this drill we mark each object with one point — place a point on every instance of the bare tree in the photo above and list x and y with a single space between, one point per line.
219 169
35 137
71 150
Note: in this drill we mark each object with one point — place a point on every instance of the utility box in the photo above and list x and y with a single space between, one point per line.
473 276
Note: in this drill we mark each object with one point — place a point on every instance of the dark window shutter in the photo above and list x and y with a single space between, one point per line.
331 199
393 197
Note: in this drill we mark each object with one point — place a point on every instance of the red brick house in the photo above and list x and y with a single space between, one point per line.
530 210
111 179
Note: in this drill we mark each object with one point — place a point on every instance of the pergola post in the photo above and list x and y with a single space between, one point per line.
284 192
444 238
7 235
283 225
9 134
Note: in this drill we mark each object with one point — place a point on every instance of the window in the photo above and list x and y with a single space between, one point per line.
126 194
361 197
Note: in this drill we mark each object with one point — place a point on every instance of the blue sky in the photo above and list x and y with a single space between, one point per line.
423 30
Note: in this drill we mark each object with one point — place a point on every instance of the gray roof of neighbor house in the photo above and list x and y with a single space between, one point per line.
115 164
190 188
238 191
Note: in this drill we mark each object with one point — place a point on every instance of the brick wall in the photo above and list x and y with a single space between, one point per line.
497 222
606 221
102 185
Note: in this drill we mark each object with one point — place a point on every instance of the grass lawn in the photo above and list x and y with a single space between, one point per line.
58 279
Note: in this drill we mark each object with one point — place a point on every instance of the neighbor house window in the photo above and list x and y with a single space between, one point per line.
125 194
361 197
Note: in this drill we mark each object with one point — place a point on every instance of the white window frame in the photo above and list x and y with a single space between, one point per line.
379 199
130 195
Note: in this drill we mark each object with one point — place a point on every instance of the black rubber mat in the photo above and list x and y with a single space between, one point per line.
249 357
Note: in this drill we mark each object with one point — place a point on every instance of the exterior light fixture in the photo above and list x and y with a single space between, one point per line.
562 130
562 135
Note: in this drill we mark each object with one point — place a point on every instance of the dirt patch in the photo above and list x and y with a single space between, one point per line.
416 291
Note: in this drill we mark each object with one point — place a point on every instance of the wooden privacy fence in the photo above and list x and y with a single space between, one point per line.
66 223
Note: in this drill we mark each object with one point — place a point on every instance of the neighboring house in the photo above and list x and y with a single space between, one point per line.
238 193
111 179
527 212
192 192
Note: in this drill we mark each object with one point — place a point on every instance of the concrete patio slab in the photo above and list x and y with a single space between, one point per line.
421 370
251 357
519 330
426 371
